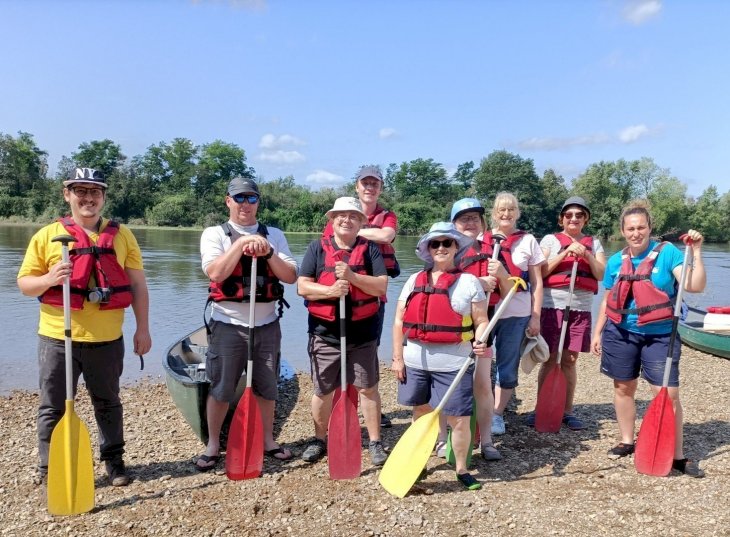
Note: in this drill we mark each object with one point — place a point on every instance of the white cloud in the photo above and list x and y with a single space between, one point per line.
282 157
638 12
630 134
325 178
553 144
387 132
271 141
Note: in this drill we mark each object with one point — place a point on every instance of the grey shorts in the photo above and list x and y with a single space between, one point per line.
227 359
362 365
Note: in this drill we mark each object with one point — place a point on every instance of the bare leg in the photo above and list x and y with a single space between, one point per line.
625 405
321 410
460 440
484 399
370 401
215 414
501 398
567 363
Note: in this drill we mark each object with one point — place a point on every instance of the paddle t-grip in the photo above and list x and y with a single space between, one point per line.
63 239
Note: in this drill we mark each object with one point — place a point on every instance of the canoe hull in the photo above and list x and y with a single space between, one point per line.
693 335
186 382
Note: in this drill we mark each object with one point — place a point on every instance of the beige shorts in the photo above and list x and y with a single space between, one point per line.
324 358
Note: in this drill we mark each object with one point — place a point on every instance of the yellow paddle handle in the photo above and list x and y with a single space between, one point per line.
517 282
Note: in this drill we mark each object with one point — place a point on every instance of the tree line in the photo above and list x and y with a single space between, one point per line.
178 183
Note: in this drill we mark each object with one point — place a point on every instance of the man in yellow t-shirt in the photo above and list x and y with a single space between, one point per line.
113 279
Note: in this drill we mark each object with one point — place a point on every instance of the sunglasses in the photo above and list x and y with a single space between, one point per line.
436 244
250 198
579 215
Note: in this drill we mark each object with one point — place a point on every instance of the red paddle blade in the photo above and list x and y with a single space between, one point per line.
551 402
245 451
655 444
344 441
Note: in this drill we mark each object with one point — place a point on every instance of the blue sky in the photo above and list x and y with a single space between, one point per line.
315 89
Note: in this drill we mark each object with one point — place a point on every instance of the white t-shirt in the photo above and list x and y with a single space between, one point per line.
214 242
557 297
443 356
525 252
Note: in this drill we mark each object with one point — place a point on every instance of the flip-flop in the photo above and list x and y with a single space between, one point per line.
279 453
208 459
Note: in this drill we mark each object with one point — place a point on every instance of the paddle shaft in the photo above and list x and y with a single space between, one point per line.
481 339
67 326
566 312
675 317
343 348
251 321
498 238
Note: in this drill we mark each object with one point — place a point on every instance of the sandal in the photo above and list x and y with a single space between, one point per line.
621 450
210 462
490 453
468 481
279 453
687 467
440 449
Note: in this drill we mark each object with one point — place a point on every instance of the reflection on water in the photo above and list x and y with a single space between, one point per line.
178 290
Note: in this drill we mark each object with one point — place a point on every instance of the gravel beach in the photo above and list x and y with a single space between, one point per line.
547 484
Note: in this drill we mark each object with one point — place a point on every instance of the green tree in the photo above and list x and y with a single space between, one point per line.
668 197
707 215
420 179
604 187
554 194
464 176
23 184
502 171
103 155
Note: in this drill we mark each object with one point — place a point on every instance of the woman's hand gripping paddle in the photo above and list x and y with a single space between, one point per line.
70 462
551 399
473 423
655 443
411 453
344 443
245 451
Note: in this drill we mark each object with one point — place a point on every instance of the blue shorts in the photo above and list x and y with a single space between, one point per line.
626 354
428 387
508 334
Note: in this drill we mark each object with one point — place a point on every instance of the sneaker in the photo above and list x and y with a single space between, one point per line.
440 449
490 453
620 450
378 456
530 419
315 451
385 422
117 473
468 481
687 467
573 422
497 425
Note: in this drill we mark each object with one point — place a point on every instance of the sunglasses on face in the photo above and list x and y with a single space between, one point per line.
579 215
436 244
248 198
83 192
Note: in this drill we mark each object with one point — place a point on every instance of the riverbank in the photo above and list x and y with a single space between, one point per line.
560 484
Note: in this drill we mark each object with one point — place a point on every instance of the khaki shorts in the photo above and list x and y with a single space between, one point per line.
227 359
362 365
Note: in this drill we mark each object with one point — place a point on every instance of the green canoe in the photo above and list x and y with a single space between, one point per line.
184 365
693 335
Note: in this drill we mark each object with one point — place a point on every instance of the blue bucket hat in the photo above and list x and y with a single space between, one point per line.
442 229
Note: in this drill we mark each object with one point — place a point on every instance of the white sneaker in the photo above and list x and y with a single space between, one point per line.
497 425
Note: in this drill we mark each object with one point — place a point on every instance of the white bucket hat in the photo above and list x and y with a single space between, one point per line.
442 229
347 204
533 350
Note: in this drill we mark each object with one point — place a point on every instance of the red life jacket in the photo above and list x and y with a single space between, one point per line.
236 287
476 260
90 259
652 304
560 277
387 251
361 304
428 314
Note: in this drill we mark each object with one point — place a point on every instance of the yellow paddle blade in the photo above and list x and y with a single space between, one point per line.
410 455
70 467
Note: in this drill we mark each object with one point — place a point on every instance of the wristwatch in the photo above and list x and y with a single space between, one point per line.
270 254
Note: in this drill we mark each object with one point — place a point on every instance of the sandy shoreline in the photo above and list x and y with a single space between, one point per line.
560 484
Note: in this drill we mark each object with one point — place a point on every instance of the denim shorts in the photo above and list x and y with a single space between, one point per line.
428 387
577 333
508 334
627 354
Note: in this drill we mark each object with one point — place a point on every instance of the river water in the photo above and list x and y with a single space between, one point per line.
178 290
